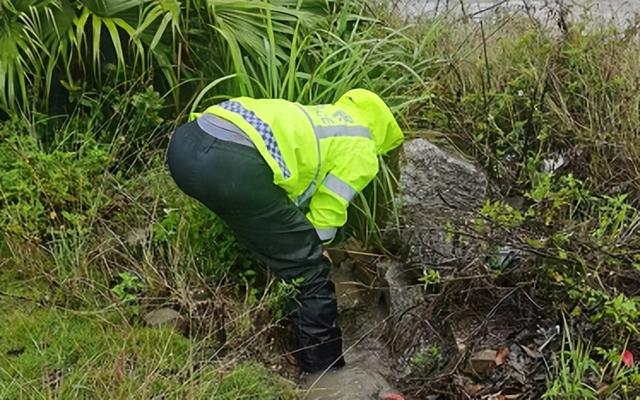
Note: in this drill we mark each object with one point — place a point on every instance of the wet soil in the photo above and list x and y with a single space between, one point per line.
443 353
363 317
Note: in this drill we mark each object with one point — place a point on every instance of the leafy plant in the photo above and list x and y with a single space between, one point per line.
623 312
573 366
427 360
73 42
279 300
128 288
579 375
45 190
430 277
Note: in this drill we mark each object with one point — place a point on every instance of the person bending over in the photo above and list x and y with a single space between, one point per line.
281 175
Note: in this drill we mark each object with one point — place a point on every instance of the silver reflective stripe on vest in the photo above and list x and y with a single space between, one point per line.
331 182
339 187
326 233
222 129
302 200
342 130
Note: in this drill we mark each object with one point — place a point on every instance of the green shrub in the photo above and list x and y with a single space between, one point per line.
518 99
46 191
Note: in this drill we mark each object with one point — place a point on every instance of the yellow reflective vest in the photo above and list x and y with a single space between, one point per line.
324 153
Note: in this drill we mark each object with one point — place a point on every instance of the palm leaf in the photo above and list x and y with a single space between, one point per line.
19 59
248 22
111 8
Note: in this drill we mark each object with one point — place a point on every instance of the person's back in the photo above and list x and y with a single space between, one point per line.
281 175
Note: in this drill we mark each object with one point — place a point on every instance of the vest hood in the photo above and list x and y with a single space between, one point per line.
380 120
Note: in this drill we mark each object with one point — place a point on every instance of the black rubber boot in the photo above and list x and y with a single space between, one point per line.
319 339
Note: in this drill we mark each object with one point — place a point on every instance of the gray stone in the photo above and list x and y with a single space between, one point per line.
164 317
351 292
440 194
402 293
483 362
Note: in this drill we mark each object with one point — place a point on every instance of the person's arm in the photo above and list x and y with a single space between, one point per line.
350 174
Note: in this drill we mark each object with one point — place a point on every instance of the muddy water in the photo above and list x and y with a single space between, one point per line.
363 316
618 10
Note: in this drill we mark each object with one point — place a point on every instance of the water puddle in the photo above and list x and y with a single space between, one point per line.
363 318
602 10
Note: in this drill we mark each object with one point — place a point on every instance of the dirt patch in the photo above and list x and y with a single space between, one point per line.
468 321
474 336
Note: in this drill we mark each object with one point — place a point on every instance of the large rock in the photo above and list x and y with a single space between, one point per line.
439 194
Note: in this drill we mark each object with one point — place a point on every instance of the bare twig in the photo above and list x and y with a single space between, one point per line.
491 313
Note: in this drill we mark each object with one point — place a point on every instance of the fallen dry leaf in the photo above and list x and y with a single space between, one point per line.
474 390
501 356
483 361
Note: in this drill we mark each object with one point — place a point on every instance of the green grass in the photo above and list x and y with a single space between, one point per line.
55 353
582 372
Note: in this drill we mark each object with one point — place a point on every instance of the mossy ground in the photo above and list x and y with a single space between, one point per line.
51 352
